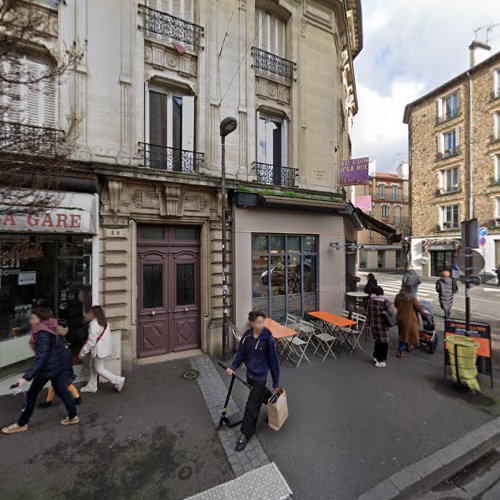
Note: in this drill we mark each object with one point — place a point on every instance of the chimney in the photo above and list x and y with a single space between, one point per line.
478 52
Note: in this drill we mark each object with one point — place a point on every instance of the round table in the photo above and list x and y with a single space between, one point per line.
359 298
357 294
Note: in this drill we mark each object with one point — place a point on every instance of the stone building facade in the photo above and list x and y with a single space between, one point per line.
454 142
155 81
386 199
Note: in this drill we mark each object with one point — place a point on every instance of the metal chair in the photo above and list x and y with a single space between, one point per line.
359 329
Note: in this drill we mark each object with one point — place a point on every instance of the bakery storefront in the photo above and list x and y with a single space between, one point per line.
46 259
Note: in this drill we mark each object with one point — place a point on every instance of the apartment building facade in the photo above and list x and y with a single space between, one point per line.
454 143
386 198
156 79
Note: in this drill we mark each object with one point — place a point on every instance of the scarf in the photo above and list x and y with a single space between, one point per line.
378 298
47 325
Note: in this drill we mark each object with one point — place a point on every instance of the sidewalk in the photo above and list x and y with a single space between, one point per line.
352 425
155 440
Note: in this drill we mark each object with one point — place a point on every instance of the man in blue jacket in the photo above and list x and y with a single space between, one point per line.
257 350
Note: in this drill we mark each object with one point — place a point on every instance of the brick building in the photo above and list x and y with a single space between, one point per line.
385 199
454 145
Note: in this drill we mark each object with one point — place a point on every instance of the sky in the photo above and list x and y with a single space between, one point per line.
410 47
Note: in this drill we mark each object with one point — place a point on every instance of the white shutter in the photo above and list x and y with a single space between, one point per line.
175 8
261 140
284 143
188 123
188 11
49 103
170 114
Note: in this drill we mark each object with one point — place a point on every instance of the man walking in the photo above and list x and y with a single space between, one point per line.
446 287
257 350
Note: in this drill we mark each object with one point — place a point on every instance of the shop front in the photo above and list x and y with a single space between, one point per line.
46 260
287 262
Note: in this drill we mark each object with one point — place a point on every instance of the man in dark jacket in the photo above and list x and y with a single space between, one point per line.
257 350
446 287
371 284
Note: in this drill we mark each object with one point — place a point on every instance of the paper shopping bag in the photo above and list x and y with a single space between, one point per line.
277 409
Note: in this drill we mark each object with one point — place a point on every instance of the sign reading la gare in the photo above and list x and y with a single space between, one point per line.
57 220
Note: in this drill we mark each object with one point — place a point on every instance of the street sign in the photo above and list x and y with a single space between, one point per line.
475 265
483 231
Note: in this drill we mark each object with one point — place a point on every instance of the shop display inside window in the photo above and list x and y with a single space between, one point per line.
44 271
284 274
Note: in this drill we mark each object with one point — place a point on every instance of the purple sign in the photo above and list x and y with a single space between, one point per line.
354 171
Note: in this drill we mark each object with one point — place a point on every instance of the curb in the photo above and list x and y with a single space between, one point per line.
432 470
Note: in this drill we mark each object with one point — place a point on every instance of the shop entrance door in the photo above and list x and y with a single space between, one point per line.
441 260
168 295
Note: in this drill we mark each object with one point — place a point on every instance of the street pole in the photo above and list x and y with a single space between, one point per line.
227 126
468 275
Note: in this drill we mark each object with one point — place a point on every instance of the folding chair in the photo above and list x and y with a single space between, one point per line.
326 342
297 348
359 330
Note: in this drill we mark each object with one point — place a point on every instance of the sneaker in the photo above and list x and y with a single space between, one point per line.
375 360
88 389
242 442
70 421
378 365
382 364
14 428
119 386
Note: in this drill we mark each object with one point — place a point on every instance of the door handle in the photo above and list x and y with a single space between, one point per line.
152 313
186 310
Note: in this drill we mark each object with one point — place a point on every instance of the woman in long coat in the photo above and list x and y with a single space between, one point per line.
375 320
407 319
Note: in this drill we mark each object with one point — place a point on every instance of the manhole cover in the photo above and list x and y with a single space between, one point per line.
185 472
190 375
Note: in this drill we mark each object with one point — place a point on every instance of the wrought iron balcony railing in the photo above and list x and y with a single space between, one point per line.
171 159
266 61
174 28
448 190
389 198
275 174
30 139
448 153
447 117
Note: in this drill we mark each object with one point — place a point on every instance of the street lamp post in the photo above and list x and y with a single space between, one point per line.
227 126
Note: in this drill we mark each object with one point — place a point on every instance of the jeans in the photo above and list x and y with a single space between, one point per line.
97 368
380 351
446 310
58 383
259 395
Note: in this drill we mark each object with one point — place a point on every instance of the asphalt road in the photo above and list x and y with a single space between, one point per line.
485 298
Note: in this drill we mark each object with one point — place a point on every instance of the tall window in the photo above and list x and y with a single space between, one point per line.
381 190
400 258
394 192
448 142
363 259
450 180
32 104
380 259
385 211
496 83
497 209
171 128
270 33
449 107
496 125
182 9
497 168
450 217
284 274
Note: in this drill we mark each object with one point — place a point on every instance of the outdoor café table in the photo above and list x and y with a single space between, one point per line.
334 324
278 331
358 296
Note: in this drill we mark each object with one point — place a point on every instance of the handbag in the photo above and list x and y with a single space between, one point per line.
389 315
277 409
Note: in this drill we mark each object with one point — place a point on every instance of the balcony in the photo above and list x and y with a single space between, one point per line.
171 27
446 118
171 159
21 138
400 198
275 175
271 63
448 190
449 153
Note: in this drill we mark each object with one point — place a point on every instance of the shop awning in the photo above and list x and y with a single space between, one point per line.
373 224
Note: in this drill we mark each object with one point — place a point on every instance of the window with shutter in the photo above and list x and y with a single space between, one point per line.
270 33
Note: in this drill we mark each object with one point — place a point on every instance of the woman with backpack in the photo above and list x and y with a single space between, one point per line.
376 320
49 364
98 345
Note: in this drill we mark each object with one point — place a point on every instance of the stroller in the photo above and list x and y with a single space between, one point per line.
427 327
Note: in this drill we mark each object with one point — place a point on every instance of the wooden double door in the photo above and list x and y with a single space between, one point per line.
168 295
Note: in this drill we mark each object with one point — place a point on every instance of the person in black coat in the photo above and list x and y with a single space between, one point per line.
371 284
49 364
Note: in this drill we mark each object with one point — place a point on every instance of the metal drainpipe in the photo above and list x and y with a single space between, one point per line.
469 198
